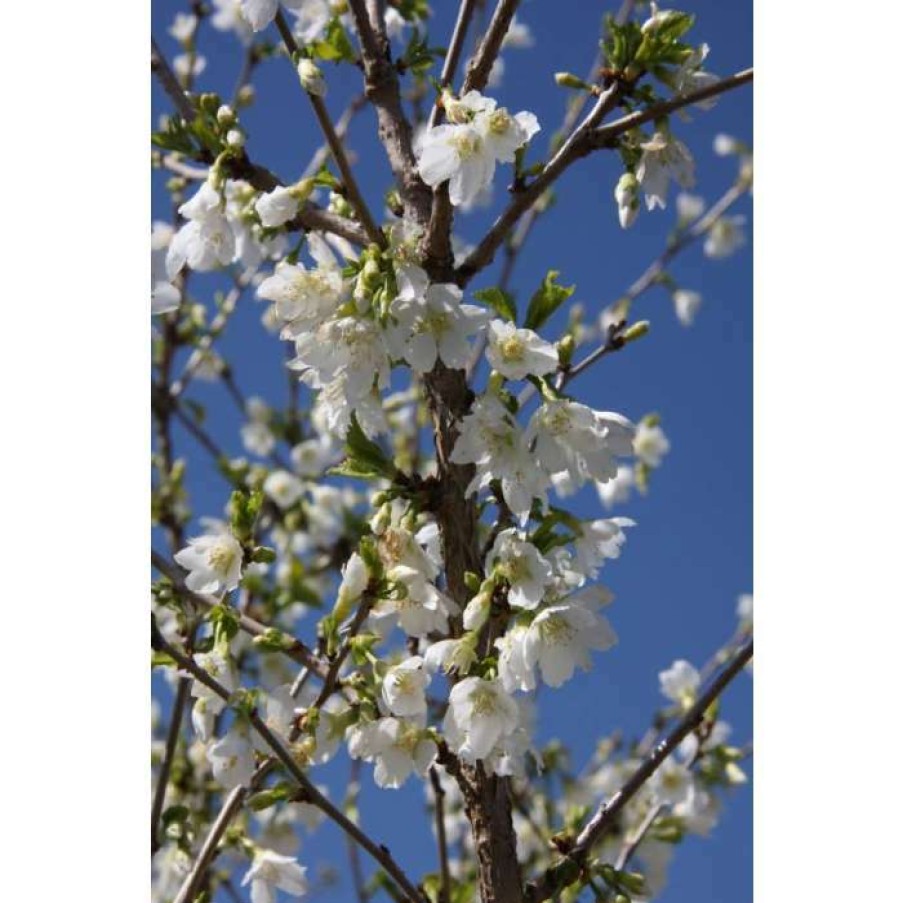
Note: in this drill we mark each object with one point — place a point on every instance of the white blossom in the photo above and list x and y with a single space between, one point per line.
496 445
276 207
686 305
726 236
284 488
522 566
480 715
616 490
518 353
600 540
514 672
232 758
269 871
404 687
680 682
570 436
213 562
397 747
650 444
431 322
745 609
664 158
560 639
689 207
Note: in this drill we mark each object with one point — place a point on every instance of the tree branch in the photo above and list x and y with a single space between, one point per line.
382 89
567 870
170 84
602 137
378 852
480 66
453 55
172 739
583 141
441 841
297 651
335 145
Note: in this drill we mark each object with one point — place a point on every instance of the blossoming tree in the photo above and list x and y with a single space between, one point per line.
413 493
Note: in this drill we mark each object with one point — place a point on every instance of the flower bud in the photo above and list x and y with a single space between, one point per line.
569 80
235 138
637 331
311 78
627 197
225 116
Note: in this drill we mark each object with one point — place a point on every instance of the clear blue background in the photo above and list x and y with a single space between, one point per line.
691 554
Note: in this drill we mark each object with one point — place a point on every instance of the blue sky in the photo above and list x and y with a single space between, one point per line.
677 580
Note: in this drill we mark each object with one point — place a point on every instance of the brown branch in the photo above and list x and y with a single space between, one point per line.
441 840
172 739
583 141
336 148
378 852
383 91
480 66
341 129
604 136
569 868
170 84
453 55
296 650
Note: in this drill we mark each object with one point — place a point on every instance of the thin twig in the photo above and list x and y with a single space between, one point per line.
341 129
603 136
293 648
167 78
335 145
172 739
630 846
585 139
379 852
568 868
480 66
441 840
453 55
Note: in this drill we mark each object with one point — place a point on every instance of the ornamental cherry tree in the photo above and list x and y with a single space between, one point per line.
395 581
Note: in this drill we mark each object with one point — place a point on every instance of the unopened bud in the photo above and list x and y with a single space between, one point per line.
225 116
627 197
637 331
245 96
311 78
569 80
235 138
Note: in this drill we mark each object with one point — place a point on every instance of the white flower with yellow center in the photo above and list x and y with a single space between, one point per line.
726 236
304 297
270 870
213 563
680 683
600 540
495 443
480 715
431 322
456 154
650 444
572 437
397 747
518 353
504 133
284 488
522 566
404 687
560 639
664 158
232 758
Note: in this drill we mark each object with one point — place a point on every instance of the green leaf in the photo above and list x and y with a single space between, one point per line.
174 814
363 457
499 300
335 46
546 300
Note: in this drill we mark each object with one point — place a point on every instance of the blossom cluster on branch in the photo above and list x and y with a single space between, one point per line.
412 496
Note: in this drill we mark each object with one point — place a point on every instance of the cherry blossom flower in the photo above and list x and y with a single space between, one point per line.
650 444
404 687
518 353
276 207
213 562
664 158
522 566
686 305
680 682
269 871
480 715
232 757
